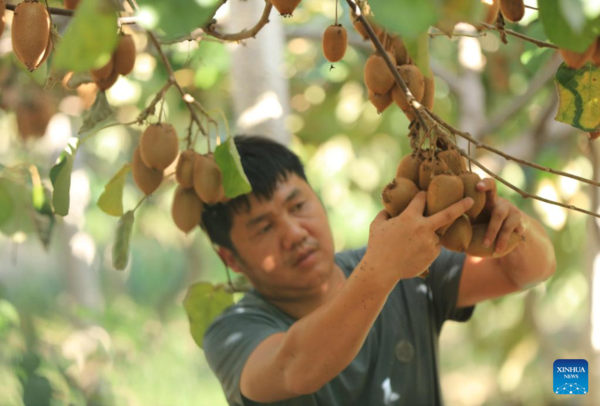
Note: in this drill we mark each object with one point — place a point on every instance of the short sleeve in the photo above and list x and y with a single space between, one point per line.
443 280
229 341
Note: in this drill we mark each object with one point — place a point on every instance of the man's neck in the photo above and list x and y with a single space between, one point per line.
299 309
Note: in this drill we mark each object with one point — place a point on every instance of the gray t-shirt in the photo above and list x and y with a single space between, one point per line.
398 363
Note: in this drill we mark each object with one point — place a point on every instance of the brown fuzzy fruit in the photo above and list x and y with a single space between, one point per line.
458 236
208 180
186 209
2 18
397 195
595 56
124 56
360 29
429 92
476 248
185 169
146 179
452 159
594 135
104 72
380 101
335 42
398 49
416 84
576 60
513 10
105 84
285 7
377 75
71 4
33 116
429 169
409 168
30 33
470 180
159 146
491 10
443 192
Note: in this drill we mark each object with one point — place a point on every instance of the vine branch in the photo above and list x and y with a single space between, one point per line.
244 34
524 37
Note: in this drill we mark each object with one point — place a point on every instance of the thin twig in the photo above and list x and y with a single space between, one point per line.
158 97
434 32
244 34
414 104
480 144
539 43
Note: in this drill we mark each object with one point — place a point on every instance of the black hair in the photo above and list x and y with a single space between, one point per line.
266 163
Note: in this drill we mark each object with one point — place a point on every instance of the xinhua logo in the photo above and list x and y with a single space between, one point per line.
570 377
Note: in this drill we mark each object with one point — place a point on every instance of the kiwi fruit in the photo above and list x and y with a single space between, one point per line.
409 168
335 42
491 10
575 59
476 248
360 29
159 146
429 91
105 84
470 180
146 179
380 101
444 190
595 55
2 18
458 236
377 75
429 169
398 49
186 209
30 33
184 173
285 7
124 56
208 180
416 84
71 4
397 195
594 135
512 10
33 116
452 159
104 72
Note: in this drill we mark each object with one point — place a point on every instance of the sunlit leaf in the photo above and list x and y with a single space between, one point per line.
203 303
98 116
418 49
235 181
175 18
120 251
572 31
90 38
408 18
60 175
579 97
111 200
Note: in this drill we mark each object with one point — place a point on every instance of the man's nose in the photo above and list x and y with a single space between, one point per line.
294 234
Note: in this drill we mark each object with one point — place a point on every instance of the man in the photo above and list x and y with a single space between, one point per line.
357 327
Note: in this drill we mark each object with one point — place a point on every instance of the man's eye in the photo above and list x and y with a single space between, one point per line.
265 229
298 206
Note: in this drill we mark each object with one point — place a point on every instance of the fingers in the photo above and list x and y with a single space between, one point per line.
499 214
448 215
488 185
417 204
512 222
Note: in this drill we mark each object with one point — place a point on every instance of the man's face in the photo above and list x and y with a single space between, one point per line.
274 237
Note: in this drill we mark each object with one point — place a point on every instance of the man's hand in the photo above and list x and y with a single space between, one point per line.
504 216
404 246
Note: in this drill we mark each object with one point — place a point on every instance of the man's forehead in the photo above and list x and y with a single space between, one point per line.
284 190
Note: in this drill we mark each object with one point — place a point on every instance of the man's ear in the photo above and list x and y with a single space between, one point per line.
230 259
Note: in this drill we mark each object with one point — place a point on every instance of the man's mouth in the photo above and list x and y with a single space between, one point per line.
304 255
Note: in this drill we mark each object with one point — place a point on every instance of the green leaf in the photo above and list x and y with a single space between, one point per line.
409 18
176 17
203 303
120 251
418 49
111 200
228 159
43 218
98 116
16 210
569 30
579 97
456 11
7 205
90 39
60 175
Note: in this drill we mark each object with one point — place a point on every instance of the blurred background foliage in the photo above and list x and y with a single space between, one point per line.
75 331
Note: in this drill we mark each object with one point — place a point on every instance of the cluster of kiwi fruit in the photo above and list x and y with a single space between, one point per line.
30 33
446 179
199 178
121 62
